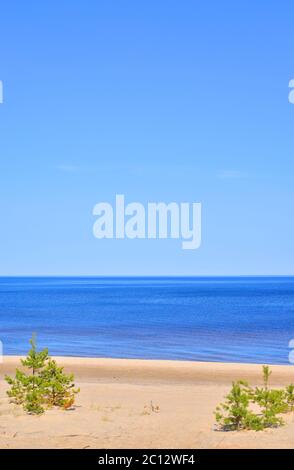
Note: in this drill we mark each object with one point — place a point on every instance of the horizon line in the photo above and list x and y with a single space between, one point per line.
134 276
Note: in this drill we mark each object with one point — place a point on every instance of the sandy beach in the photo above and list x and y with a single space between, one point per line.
117 407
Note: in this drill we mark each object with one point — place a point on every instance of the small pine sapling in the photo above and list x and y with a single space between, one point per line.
45 385
234 413
59 388
266 373
272 402
26 389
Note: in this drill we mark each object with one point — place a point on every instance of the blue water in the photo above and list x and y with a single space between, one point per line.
249 319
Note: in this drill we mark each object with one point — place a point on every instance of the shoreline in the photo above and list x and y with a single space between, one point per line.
160 371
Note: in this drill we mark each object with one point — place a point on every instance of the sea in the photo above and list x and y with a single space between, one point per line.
222 319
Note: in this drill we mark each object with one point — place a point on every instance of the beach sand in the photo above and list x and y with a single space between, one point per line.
116 407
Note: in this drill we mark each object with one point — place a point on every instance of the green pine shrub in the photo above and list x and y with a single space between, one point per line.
43 386
236 412
266 373
272 403
58 387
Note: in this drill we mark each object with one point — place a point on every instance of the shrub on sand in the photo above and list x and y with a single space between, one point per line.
43 386
236 412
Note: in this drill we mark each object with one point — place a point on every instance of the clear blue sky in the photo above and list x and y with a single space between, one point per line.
161 101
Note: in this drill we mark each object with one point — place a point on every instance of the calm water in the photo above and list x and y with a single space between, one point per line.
206 319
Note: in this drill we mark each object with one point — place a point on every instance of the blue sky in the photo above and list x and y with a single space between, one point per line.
160 101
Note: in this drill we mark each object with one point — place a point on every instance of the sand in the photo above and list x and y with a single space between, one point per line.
116 407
